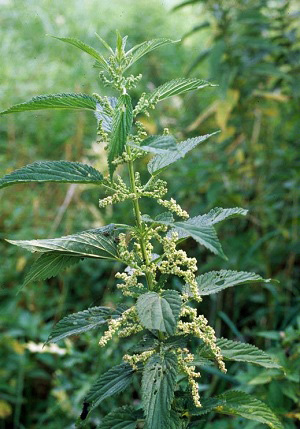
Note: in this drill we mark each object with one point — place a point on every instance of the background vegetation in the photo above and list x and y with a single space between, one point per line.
251 49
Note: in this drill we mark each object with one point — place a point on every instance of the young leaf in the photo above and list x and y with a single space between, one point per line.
53 171
93 243
176 87
49 265
112 382
157 144
215 281
54 101
84 47
79 322
144 48
239 352
162 160
121 125
121 418
159 312
158 384
240 404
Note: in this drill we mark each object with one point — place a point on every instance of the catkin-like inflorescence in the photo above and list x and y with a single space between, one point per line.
177 262
173 207
127 324
133 360
184 358
198 326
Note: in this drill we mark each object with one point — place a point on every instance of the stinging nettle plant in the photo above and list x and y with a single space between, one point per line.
165 321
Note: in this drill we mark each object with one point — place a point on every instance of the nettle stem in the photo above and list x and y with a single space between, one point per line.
138 219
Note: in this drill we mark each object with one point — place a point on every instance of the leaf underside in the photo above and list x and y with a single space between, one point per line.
162 160
144 48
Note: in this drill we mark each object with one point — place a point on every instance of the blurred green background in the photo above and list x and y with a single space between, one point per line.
251 49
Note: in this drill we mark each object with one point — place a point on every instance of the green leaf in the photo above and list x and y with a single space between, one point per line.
240 404
217 215
93 243
144 48
162 160
157 144
215 281
84 47
176 87
80 322
54 101
121 418
112 382
239 352
53 171
159 312
158 384
121 125
49 265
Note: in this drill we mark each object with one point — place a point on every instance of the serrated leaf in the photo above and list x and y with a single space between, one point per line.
93 243
102 114
158 384
77 323
157 144
49 265
176 87
54 101
217 215
239 352
162 160
53 171
121 125
144 48
215 281
205 235
121 418
159 312
240 404
112 382
84 47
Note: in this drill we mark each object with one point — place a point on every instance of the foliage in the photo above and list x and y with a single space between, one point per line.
156 310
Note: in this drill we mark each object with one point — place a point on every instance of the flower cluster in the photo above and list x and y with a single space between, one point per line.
198 326
177 262
121 193
133 360
173 207
145 103
126 325
185 358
